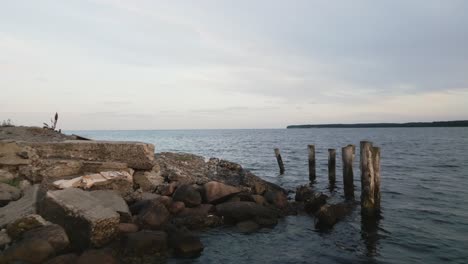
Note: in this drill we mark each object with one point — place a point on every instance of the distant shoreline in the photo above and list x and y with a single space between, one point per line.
458 123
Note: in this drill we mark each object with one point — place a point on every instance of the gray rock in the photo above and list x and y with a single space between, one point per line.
87 221
215 192
111 199
234 212
187 194
8 193
20 208
182 167
153 215
148 181
6 176
23 224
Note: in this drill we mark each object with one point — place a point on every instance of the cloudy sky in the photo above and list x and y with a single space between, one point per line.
110 64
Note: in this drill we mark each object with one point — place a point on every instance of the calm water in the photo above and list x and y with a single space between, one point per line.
424 193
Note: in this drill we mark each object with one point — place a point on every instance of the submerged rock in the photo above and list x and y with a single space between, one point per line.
329 215
144 242
315 202
100 256
247 226
185 244
234 212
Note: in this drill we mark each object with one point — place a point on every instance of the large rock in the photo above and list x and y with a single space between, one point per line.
28 251
119 181
234 212
23 224
6 176
303 193
148 181
329 215
54 234
182 167
111 199
101 256
197 218
145 242
215 192
137 155
187 194
8 193
315 202
20 208
86 219
185 244
154 215
13 153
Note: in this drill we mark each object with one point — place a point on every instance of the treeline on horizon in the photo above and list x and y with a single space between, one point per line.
458 123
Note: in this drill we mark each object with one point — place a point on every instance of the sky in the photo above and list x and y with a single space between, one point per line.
111 64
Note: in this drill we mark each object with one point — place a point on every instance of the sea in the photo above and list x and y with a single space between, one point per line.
424 174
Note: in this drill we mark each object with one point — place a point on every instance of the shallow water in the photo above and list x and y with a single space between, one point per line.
424 193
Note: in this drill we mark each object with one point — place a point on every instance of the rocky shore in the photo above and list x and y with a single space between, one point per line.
65 200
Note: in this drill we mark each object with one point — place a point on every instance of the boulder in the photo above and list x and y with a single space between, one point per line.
63 259
100 256
234 212
24 185
329 215
185 244
6 176
86 219
148 181
182 167
29 251
197 218
54 234
247 226
167 188
258 199
215 192
111 199
176 207
20 208
23 224
9 151
8 193
154 215
135 154
127 228
187 194
144 242
277 198
315 202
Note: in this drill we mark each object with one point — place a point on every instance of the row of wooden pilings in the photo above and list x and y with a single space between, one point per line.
369 166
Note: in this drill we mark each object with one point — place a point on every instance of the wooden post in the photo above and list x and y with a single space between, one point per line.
312 174
280 160
348 175
370 178
331 166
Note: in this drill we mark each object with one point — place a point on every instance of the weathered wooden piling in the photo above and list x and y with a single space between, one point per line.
331 166
348 175
312 174
370 178
280 160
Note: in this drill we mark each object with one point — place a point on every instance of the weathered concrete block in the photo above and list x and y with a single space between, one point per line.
20 208
114 201
86 220
136 154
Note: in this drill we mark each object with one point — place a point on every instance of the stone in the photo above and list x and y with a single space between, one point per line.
23 224
127 228
63 259
197 218
6 176
8 193
182 167
111 199
4 239
148 181
100 256
24 185
135 154
216 192
185 244
303 193
277 198
176 207
234 212
153 216
167 188
247 226
187 194
315 202
54 234
258 199
9 150
20 208
29 251
87 221
329 215
145 242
